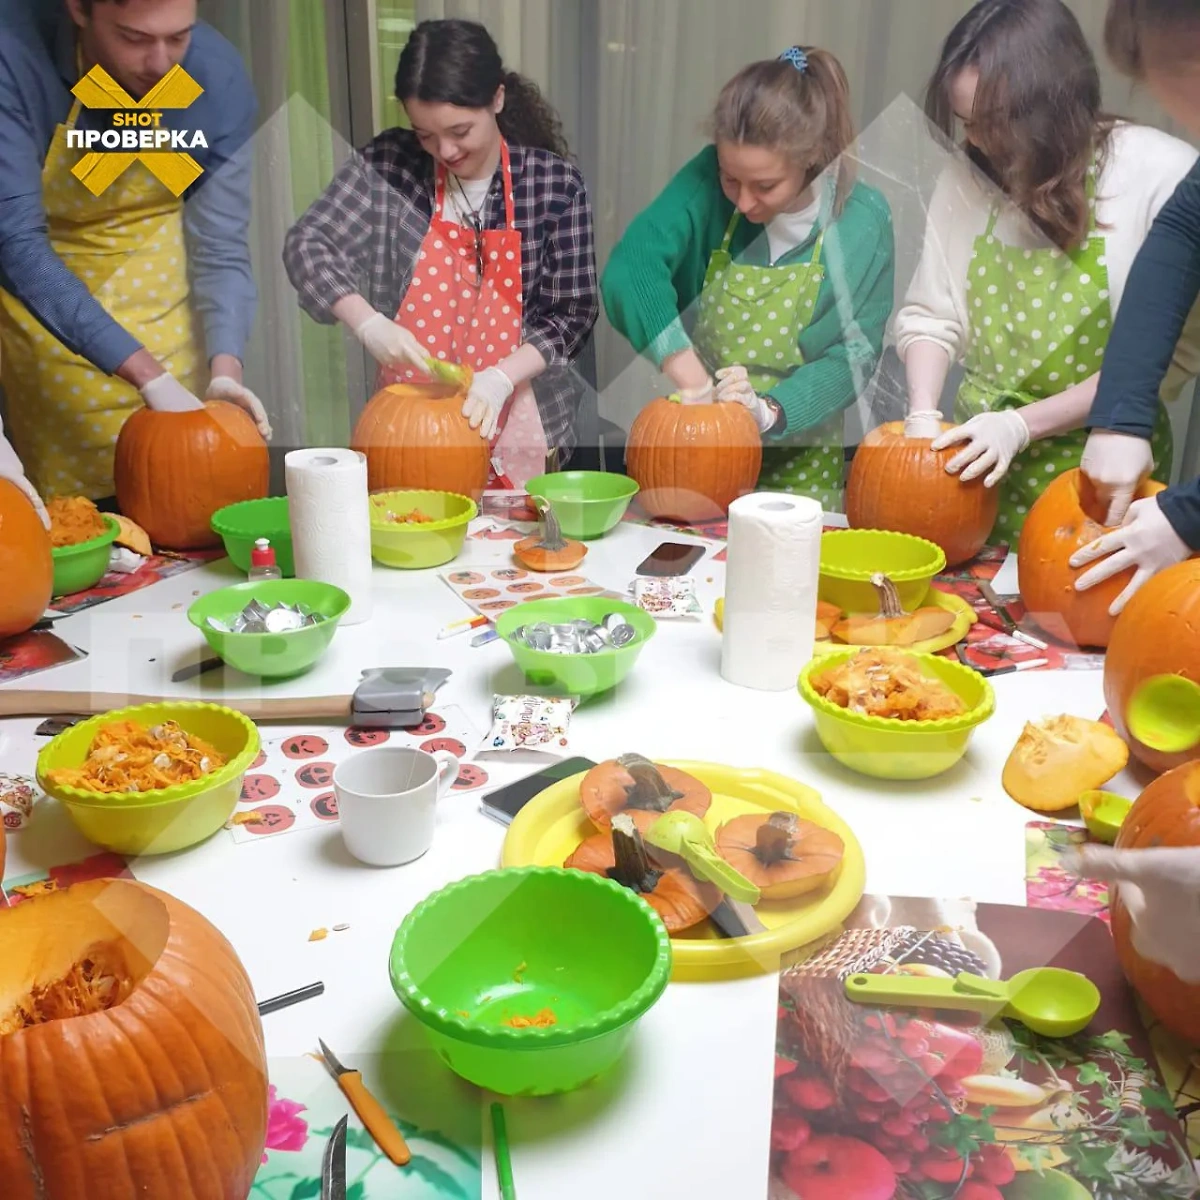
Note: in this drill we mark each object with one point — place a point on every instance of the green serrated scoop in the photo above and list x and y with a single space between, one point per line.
684 834
446 372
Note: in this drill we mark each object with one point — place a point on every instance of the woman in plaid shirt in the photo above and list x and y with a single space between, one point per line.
466 239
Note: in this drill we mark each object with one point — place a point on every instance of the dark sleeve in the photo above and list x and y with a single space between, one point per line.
1159 298
1181 506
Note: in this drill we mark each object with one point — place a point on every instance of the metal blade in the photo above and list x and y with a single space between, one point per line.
331 1061
53 726
333 1168
194 669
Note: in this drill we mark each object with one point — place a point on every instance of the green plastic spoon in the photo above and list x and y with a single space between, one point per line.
1104 813
683 833
1047 1000
445 372
1164 714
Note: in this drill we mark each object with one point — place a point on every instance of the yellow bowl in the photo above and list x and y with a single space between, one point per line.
849 557
418 547
888 748
168 819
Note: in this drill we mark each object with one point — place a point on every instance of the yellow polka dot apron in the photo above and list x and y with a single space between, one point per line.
752 316
1040 322
127 247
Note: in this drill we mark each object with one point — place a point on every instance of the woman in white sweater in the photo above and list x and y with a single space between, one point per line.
1030 239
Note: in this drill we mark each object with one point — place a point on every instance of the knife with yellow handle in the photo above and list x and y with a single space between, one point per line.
370 1112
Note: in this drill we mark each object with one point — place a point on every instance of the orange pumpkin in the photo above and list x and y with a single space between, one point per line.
1157 634
1057 759
785 856
130 1049
1064 519
26 563
415 436
892 626
174 470
1166 814
692 461
900 484
641 788
548 550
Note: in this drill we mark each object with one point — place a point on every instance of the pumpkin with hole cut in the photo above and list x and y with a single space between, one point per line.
174 470
633 784
169 1099
692 461
415 436
1057 759
1064 519
26 562
783 855
900 484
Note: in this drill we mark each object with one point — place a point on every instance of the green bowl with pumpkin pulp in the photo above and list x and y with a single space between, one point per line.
418 546
850 557
588 504
239 526
513 943
271 655
82 566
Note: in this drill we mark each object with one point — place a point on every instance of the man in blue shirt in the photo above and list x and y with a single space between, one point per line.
134 295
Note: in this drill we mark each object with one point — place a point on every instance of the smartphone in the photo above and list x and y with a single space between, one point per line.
671 558
504 803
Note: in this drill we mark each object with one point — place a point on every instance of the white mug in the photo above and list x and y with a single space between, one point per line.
387 801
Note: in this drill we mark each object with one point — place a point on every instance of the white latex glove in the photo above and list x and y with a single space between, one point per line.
224 387
489 391
1147 542
993 440
1161 890
167 394
734 387
11 469
927 423
391 345
1116 463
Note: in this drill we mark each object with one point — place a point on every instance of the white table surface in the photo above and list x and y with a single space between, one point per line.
957 836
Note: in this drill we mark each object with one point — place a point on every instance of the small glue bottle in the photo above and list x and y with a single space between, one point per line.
262 562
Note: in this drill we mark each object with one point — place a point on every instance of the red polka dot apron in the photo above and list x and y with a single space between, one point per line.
464 318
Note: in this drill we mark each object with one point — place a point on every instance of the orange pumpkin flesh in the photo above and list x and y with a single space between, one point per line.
1056 760
635 785
828 615
415 436
900 484
892 626
174 470
1166 814
131 1051
26 562
1064 519
547 550
785 856
692 461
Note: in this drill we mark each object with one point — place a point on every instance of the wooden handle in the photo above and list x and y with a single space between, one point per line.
372 1114
19 702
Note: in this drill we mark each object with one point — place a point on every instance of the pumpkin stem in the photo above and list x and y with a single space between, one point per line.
650 791
633 869
889 598
550 535
773 842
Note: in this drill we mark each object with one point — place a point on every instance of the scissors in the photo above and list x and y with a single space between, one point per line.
333 1168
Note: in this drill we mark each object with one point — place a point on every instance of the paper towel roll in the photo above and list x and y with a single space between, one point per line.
331 523
771 577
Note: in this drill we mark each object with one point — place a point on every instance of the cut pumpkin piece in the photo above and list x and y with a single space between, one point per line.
828 615
547 550
133 537
635 785
892 626
784 855
1057 759
680 899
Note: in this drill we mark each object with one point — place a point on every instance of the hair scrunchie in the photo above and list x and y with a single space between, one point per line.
797 57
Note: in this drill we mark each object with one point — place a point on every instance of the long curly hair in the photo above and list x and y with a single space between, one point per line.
458 62
1142 35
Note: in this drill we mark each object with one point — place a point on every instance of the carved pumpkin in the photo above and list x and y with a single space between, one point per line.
1057 759
1166 814
548 550
130 1049
692 461
415 436
26 562
174 470
1157 634
1064 520
783 855
900 484
634 785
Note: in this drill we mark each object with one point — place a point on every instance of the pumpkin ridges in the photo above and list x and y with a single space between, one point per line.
26 564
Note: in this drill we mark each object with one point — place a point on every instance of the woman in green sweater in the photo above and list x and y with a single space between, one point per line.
763 273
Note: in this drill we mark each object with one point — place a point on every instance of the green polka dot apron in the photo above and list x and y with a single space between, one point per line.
1040 321
752 315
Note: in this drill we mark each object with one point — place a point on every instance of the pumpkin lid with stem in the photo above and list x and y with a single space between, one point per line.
781 853
893 626
633 784
549 549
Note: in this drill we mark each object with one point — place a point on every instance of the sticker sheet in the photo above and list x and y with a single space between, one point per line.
491 591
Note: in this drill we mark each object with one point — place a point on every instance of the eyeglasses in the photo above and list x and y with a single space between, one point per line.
480 262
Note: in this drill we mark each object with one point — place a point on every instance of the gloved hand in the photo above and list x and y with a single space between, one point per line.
489 391
700 395
167 394
391 345
993 440
1147 542
11 469
224 387
927 423
1116 463
1161 890
734 387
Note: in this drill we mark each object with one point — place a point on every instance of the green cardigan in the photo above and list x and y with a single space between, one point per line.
657 271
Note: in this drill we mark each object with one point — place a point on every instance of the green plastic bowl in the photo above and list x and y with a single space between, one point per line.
514 942
271 655
575 674
239 526
588 504
77 568
849 557
888 748
417 547
159 822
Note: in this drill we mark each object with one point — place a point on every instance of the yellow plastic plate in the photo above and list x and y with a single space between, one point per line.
550 827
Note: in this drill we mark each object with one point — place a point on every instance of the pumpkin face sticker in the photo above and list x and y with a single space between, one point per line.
451 745
258 762
430 725
469 778
366 737
305 746
259 787
481 593
466 578
566 581
509 575
272 818
497 605
325 807
525 588
315 775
